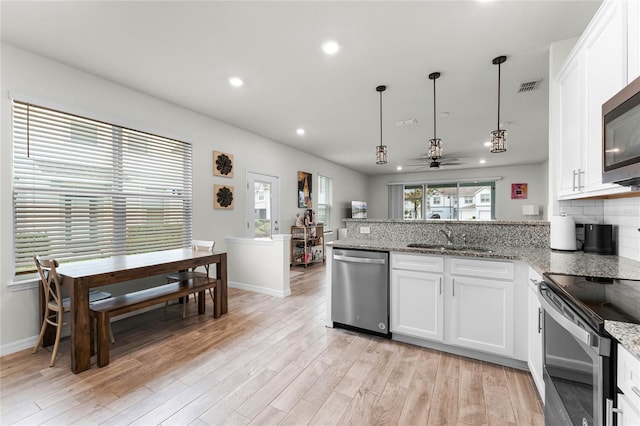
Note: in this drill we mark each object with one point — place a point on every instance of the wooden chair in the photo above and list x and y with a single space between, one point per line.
197 245
54 305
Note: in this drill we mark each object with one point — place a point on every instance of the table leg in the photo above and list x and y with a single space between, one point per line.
80 326
221 274
201 299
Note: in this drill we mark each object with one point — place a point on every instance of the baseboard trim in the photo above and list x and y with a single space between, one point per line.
259 289
18 346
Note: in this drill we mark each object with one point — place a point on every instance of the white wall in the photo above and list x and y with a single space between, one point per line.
75 91
535 175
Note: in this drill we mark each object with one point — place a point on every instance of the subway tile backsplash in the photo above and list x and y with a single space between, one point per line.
623 213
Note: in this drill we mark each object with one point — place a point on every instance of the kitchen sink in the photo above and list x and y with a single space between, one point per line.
444 247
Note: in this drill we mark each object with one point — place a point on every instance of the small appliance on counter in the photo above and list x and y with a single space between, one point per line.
563 233
598 238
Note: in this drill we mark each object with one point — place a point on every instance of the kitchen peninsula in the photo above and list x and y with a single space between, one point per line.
525 244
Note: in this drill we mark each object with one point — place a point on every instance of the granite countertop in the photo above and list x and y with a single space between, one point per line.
542 260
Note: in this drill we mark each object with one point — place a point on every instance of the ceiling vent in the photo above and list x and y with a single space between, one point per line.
529 86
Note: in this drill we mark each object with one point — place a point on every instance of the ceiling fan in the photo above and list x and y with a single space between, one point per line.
425 161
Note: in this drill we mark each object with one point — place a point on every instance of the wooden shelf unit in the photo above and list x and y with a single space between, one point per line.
307 244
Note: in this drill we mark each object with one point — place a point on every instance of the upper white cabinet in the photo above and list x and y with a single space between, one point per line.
596 69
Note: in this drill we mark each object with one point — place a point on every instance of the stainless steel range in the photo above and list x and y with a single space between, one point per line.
579 355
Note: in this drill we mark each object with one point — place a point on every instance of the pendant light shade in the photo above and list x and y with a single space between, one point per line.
434 151
381 150
499 136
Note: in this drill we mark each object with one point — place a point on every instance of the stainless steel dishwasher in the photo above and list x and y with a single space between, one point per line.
360 291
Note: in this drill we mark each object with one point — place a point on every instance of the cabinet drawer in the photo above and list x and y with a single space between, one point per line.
483 268
416 262
629 375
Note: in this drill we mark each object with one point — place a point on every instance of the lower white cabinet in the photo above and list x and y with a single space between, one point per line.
535 351
628 378
456 301
417 304
481 314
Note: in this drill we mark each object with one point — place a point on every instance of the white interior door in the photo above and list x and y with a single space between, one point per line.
263 205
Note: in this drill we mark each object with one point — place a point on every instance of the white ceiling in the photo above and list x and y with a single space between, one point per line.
184 53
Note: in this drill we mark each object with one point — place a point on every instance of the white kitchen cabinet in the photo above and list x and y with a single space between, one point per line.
633 40
628 378
417 304
595 70
534 333
481 315
605 60
569 85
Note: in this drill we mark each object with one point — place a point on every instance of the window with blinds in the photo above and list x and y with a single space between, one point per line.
86 189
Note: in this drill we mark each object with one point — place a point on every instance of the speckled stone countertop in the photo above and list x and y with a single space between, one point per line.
542 260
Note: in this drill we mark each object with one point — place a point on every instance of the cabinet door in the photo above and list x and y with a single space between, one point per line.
481 314
629 415
570 89
606 73
417 304
534 358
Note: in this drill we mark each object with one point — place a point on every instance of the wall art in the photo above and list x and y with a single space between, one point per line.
518 190
223 197
305 190
222 164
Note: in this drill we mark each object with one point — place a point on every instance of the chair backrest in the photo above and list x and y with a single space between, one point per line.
203 245
50 279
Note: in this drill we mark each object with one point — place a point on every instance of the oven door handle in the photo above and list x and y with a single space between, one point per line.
577 332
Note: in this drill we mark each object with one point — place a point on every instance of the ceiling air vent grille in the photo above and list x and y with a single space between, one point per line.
529 86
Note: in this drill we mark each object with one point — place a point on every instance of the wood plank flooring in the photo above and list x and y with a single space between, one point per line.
268 361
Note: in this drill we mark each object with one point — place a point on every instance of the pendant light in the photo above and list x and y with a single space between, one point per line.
434 152
381 150
498 136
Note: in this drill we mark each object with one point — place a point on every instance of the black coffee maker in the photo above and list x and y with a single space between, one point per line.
598 238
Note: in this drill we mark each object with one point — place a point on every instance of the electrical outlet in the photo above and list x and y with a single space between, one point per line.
365 230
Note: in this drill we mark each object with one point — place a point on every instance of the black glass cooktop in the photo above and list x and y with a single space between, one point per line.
599 299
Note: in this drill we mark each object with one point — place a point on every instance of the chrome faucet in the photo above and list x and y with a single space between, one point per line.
448 233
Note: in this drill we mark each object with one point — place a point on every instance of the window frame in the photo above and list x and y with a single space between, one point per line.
327 223
126 177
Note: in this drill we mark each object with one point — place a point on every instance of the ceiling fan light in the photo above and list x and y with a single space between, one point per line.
435 149
499 140
381 154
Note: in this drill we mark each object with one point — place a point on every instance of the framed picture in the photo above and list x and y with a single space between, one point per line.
305 190
223 197
222 164
518 190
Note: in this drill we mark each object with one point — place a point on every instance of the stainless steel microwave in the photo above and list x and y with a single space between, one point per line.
621 136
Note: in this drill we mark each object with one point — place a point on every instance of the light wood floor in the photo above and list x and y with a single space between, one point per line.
269 361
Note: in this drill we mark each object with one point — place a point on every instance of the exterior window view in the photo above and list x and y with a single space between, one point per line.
449 201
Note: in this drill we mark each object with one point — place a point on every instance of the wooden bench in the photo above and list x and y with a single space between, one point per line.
188 283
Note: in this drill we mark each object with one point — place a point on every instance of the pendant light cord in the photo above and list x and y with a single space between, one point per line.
499 65
381 118
434 109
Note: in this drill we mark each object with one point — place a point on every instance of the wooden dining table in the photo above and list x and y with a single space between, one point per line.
80 277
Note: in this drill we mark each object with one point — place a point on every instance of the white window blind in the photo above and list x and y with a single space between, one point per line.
85 189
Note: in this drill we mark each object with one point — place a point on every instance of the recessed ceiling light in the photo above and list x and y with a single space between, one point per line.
487 143
330 47
399 168
300 131
236 81
483 161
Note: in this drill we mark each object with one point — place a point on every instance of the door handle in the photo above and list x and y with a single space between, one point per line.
539 320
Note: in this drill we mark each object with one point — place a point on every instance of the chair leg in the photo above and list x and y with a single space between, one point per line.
57 342
42 330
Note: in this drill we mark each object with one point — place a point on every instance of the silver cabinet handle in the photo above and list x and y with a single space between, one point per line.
440 284
574 179
635 390
539 320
